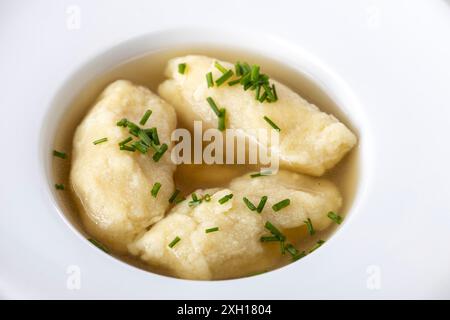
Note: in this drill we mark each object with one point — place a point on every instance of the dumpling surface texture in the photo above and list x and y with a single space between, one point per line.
113 186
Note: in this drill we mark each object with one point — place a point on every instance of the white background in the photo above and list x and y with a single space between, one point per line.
395 56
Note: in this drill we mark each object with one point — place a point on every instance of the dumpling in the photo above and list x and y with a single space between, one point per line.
311 141
235 250
111 185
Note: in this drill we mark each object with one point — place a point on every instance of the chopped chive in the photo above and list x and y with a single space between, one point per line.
257 93
99 245
272 124
238 69
134 128
221 124
245 79
213 106
122 123
317 245
220 67
155 189
261 204
234 82
174 242
299 256
277 233
274 92
160 152
282 247
174 196
212 230
125 141
177 201
227 75
59 186
255 73
335 217
195 200
310 226
127 148
145 138
182 68
269 239
246 67
100 141
207 197
155 136
145 117
261 174
140 146
209 80
59 154
263 97
248 86
280 205
250 205
291 249
269 91
225 198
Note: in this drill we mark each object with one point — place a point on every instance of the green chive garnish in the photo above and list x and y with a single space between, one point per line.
174 196
261 204
174 242
335 217
222 117
220 67
160 152
269 239
227 75
209 80
234 82
125 141
59 154
213 106
310 227
127 148
212 230
145 138
182 68
255 73
261 174
250 205
59 186
195 200
140 146
225 198
274 92
145 117
272 124
280 205
99 245
155 136
317 245
100 141
177 201
207 197
294 252
122 123
277 233
155 189
238 69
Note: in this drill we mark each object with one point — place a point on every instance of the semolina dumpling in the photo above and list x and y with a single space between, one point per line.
235 249
111 185
311 141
